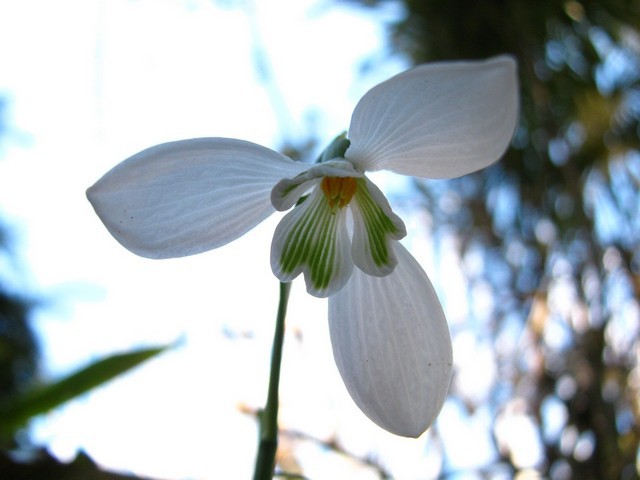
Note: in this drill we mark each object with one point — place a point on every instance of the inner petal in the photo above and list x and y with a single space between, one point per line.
375 226
313 239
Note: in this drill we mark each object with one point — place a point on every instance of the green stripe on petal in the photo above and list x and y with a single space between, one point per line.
313 239
375 227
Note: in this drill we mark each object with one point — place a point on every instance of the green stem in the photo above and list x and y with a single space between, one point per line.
268 438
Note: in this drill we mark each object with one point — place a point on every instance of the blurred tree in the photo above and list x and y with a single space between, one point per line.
18 348
552 231
17 344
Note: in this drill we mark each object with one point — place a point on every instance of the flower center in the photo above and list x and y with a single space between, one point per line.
338 190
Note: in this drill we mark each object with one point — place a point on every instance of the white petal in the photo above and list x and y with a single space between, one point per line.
313 239
392 346
186 197
439 120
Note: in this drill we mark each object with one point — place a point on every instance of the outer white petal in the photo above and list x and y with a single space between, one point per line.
186 197
392 346
439 120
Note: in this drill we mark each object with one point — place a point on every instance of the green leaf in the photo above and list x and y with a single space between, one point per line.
15 412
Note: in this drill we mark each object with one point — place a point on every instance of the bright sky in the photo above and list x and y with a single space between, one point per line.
90 82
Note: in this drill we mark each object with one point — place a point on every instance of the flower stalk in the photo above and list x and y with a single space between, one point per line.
268 433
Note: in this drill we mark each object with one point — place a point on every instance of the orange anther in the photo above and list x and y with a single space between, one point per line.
338 190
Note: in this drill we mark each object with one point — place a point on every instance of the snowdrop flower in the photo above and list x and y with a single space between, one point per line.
388 331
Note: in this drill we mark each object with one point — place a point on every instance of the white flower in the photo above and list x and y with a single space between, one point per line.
388 331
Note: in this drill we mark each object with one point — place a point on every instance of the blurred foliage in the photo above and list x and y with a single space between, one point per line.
551 232
40 465
20 407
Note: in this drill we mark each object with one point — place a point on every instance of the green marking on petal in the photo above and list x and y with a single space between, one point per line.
311 241
377 224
